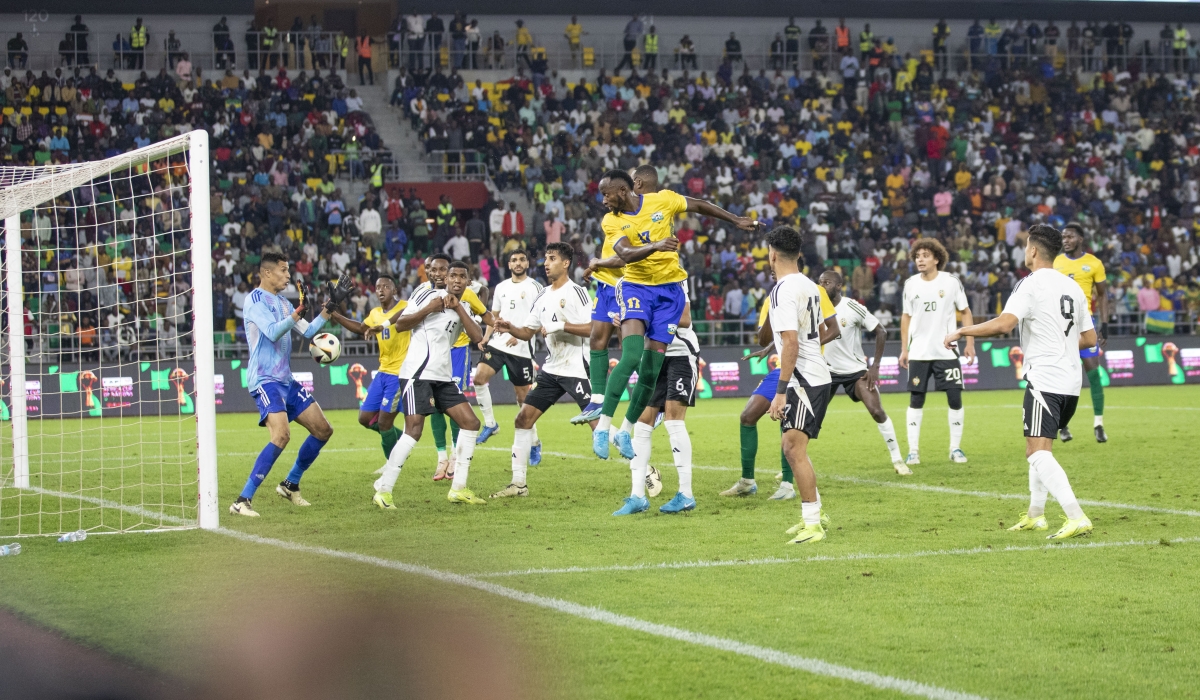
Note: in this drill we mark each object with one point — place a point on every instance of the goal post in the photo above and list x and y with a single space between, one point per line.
108 284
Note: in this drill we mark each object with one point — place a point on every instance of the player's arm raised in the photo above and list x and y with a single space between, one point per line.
703 208
628 252
406 322
258 314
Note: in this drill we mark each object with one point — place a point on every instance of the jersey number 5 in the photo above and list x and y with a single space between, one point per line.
1067 306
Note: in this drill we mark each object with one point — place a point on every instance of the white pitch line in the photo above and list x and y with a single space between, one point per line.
845 557
773 656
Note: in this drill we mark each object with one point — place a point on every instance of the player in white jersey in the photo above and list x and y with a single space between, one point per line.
848 367
674 392
563 313
427 381
1054 325
931 299
511 301
803 392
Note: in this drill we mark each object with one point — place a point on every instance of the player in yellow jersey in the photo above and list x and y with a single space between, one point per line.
760 402
377 412
650 294
438 268
1088 272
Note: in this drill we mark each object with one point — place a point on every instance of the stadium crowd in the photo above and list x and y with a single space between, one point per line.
868 156
868 159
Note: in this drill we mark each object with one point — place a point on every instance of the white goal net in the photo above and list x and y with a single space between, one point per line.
107 416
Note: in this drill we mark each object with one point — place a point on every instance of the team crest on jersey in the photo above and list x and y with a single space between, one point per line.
672 327
562 303
1087 268
656 217
487 355
916 380
522 295
941 293
844 322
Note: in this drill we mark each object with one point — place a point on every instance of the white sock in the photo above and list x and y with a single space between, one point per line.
597 398
483 395
1055 480
956 428
391 471
1097 420
1037 492
442 455
464 450
604 422
681 451
888 431
914 429
522 439
534 439
626 426
810 512
640 464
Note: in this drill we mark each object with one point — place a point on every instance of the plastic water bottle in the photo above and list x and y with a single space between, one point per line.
10 550
77 536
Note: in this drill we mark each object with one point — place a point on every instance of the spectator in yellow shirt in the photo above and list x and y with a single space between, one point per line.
574 34
962 178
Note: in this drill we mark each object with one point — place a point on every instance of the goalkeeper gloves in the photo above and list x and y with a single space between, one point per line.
339 293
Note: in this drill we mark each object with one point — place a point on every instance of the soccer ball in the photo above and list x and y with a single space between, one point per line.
325 348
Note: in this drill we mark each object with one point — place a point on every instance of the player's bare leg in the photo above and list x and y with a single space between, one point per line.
870 399
319 432
1046 476
795 448
464 451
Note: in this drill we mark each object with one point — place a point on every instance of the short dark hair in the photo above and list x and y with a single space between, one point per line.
935 248
1047 239
517 251
389 278
460 265
1074 225
563 250
618 175
271 258
646 170
439 256
786 241
833 275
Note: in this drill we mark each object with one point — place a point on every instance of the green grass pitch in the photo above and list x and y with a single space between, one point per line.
918 581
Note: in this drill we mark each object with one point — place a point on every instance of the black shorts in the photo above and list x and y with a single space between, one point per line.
520 369
1045 414
549 388
847 382
422 398
677 381
943 375
806 409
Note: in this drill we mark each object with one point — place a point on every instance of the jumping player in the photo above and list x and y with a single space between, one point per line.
848 367
1088 272
511 302
270 320
376 411
650 294
562 312
1052 313
930 300
674 392
428 384
802 394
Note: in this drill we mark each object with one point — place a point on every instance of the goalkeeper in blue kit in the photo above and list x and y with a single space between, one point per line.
270 320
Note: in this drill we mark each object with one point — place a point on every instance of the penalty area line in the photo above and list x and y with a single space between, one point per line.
814 666
861 556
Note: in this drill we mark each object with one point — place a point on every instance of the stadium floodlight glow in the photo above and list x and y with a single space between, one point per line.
99 429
